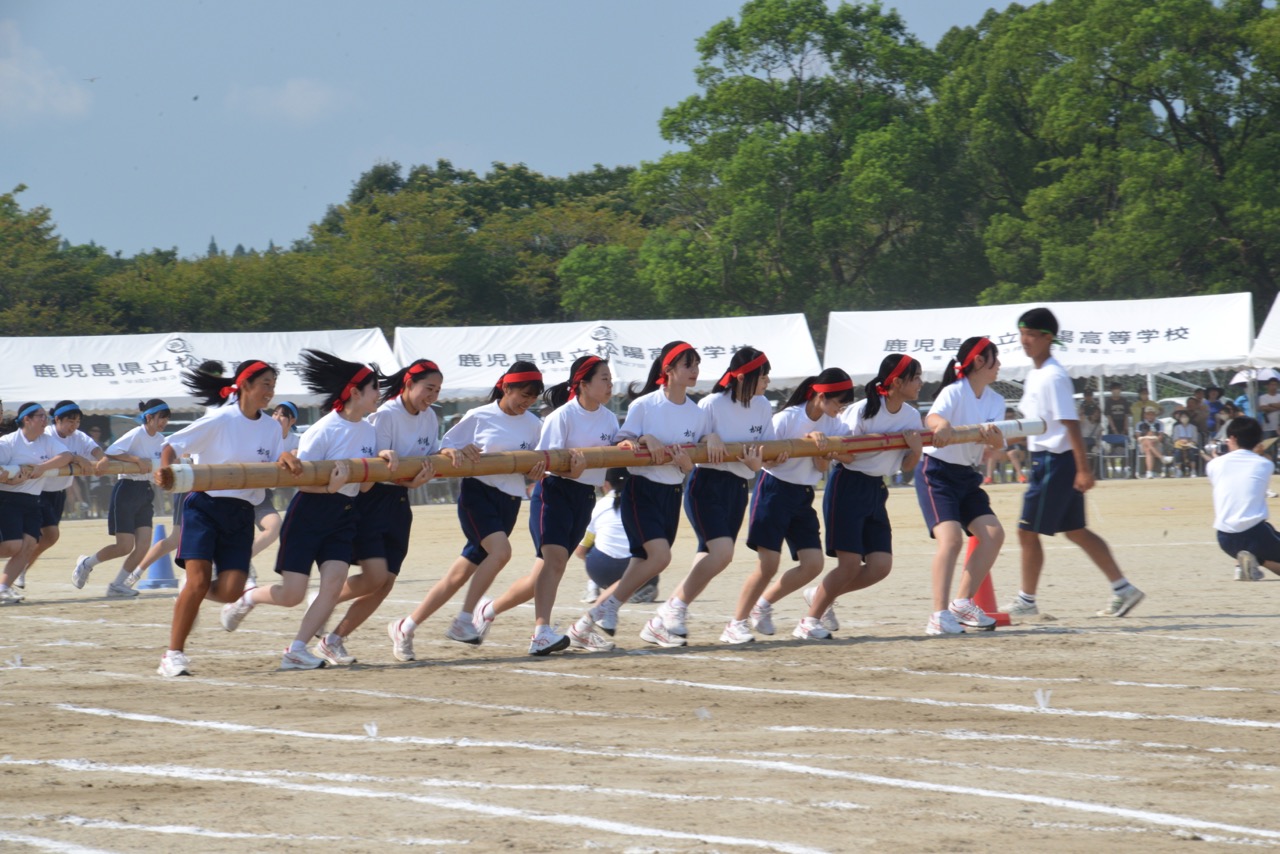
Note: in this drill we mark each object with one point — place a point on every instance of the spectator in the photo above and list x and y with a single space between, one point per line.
1186 443
1150 440
1117 411
1199 412
1138 410
1090 420
1217 445
1214 404
1269 409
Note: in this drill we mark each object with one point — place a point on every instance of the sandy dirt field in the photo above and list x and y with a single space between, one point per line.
1065 733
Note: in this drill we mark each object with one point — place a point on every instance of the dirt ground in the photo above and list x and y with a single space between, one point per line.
1067 732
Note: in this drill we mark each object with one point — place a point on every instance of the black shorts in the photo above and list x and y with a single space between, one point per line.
559 512
484 510
52 505
131 507
715 502
782 511
319 527
855 515
19 515
385 521
1052 503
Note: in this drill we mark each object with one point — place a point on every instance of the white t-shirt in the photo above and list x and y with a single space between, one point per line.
407 434
957 404
494 431
606 524
15 450
1047 394
793 423
1271 420
733 422
879 463
335 438
574 426
1240 480
671 424
225 435
77 443
145 447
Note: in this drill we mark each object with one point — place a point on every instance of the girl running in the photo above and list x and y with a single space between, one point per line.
404 423
320 525
129 518
859 535
561 505
782 506
487 506
35 451
716 498
661 417
949 487
217 526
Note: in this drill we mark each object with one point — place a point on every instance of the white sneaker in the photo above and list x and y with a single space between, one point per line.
334 653
132 579
80 574
1018 608
829 621
655 631
120 591
810 628
971 616
10 596
589 640
1248 568
545 643
233 613
737 632
1123 602
943 623
762 618
592 593
1151 475
174 663
463 631
673 617
401 641
21 583
483 619
300 659
605 615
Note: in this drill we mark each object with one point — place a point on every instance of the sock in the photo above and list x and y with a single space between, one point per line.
466 616
122 576
1120 584
961 602
407 625
763 603
297 646
1027 598
332 638
677 604
584 623
246 598
3 587
91 562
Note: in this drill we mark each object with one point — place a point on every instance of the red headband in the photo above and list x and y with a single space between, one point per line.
241 378
579 374
341 403
827 388
423 367
894 374
526 377
742 371
669 358
982 344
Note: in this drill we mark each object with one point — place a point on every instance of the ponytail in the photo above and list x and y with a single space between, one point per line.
582 370
616 477
673 354
745 369
399 382
325 374
969 352
833 382
894 366
214 389
147 408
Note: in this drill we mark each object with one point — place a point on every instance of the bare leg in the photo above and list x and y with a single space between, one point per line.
809 568
989 533
269 534
522 590
950 537
363 608
161 548
706 566
547 582
444 589
48 537
333 573
1032 560
639 571
497 554
753 587
1097 550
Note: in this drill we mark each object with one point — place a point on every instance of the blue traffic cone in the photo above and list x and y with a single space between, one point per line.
160 573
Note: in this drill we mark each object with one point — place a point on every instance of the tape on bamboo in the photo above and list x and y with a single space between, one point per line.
201 478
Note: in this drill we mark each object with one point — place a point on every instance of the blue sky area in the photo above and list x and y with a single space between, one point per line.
160 123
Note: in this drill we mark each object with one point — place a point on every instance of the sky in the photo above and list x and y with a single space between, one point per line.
159 124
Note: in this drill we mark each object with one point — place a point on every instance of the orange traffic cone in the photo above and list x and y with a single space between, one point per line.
985 598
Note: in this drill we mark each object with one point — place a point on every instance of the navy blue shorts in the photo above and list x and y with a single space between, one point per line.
559 513
1261 539
219 530
855 515
318 527
781 510
51 506
715 502
1052 503
484 510
650 511
386 518
949 492
130 507
19 514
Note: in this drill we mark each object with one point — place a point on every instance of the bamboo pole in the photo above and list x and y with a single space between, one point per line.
200 478
110 467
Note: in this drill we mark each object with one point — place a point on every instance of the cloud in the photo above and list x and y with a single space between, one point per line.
30 87
299 101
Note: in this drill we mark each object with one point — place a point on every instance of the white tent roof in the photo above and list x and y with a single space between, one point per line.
112 373
1098 338
1266 349
474 357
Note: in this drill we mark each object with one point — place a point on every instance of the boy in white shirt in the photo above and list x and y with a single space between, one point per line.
1240 479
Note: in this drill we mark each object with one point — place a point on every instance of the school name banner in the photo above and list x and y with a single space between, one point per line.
1114 337
112 373
473 358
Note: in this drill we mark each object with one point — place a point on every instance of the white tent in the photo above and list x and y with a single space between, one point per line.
474 357
1098 338
112 373
1266 349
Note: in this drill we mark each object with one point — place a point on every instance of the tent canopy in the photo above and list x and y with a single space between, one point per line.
1097 338
474 357
112 373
